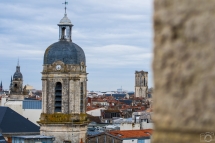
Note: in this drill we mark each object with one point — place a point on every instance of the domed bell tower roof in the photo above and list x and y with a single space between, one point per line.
65 21
64 50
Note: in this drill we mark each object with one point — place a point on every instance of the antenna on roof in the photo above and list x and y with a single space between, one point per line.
65 5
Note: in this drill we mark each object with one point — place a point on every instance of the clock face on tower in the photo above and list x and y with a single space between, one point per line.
58 67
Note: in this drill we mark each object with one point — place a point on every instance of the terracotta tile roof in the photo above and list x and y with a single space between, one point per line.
111 111
132 133
89 108
98 100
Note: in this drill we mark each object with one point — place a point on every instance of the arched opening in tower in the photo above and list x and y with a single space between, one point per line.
58 97
63 33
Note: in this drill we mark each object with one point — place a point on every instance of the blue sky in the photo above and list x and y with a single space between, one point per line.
116 36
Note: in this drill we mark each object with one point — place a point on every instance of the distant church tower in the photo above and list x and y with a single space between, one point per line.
141 83
17 85
64 86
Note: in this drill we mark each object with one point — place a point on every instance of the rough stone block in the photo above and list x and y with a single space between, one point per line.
184 71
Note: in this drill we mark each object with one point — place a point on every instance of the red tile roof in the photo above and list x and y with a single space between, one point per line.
132 133
89 108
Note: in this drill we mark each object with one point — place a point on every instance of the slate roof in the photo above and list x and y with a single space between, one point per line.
93 133
17 74
127 102
67 52
118 96
130 93
11 122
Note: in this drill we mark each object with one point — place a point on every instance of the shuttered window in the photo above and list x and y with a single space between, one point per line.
58 97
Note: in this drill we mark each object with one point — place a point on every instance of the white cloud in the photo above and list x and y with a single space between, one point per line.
116 56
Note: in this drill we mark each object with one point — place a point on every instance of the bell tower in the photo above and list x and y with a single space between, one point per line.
17 84
64 88
141 84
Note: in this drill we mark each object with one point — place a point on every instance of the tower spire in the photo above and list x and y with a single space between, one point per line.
65 5
18 67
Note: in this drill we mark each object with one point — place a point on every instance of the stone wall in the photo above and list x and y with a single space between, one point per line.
63 132
184 71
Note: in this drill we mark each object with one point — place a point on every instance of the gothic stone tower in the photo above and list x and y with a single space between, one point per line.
141 84
17 85
64 86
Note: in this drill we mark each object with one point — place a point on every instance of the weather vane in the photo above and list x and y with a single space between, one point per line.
65 5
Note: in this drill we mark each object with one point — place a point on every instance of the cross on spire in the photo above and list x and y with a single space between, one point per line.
65 5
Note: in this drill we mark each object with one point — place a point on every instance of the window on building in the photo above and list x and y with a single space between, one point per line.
82 98
58 97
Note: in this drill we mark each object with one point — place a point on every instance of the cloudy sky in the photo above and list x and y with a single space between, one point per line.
116 36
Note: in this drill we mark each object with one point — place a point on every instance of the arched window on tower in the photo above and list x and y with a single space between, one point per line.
144 81
82 98
63 36
58 97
